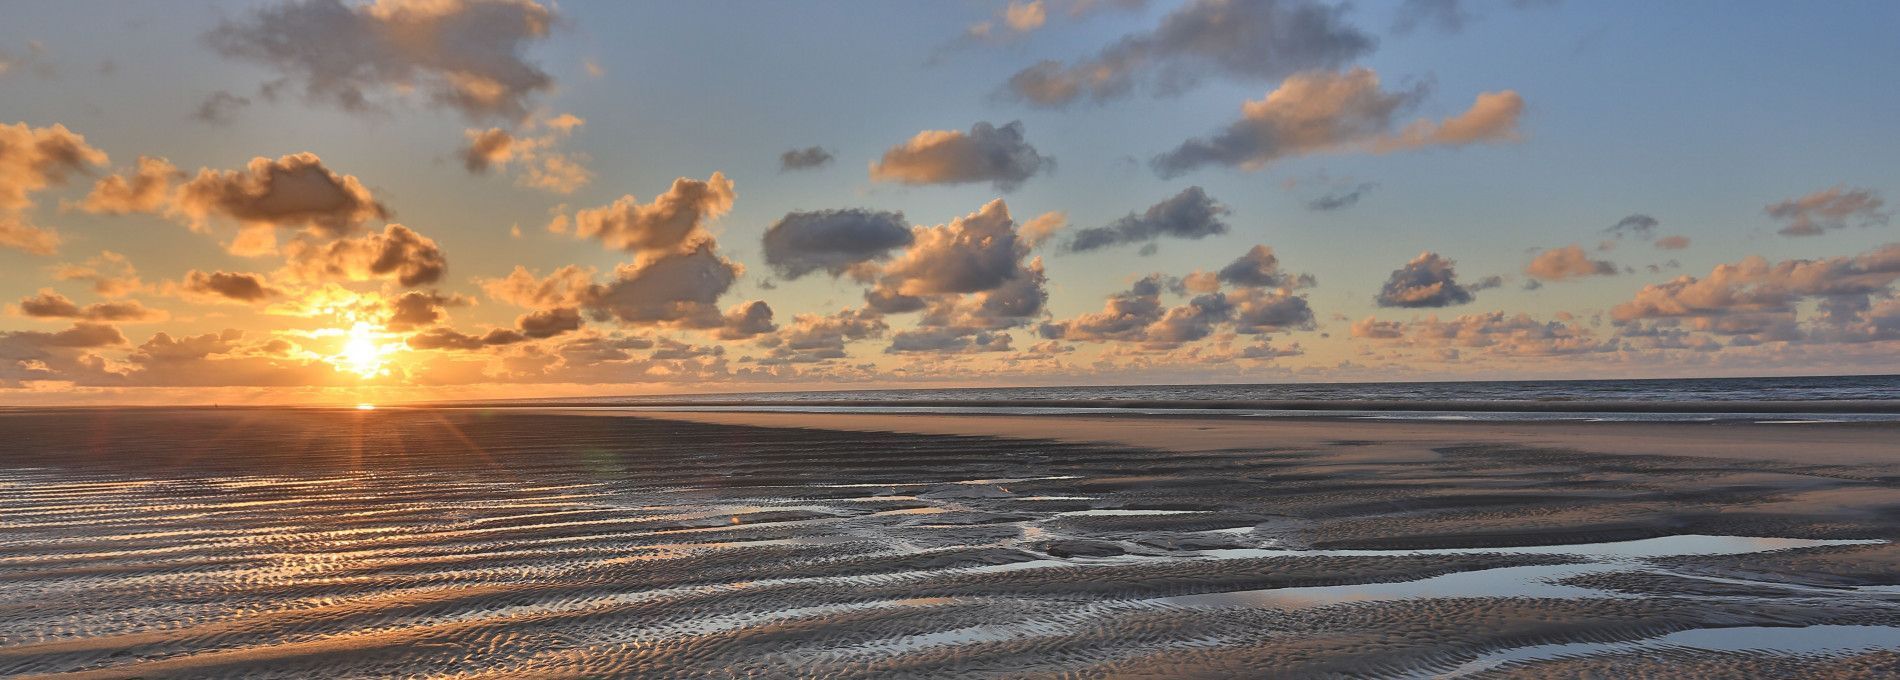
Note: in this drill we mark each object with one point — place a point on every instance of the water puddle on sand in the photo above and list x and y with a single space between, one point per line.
1666 546
1124 513
1542 581
1802 641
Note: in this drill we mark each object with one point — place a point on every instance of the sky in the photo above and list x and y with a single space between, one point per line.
331 201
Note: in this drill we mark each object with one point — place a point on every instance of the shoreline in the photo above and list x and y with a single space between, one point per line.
1817 443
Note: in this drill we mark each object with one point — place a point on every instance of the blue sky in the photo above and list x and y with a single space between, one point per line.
1698 114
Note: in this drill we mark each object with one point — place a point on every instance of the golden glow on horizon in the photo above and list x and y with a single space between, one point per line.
366 406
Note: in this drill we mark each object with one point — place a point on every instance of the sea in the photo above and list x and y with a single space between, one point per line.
1790 400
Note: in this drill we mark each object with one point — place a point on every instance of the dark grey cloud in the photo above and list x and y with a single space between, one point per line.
804 159
547 323
833 241
448 338
1638 225
292 192
1260 268
1447 16
1252 40
236 286
747 319
1191 214
467 55
948 341
1259 310
679 289
1345 198
1828 209
220 108
61 355
48 304
987 153
1429 280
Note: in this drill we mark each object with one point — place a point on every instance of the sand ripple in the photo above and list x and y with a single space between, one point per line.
426 544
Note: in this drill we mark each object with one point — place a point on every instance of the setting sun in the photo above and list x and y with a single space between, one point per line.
362 354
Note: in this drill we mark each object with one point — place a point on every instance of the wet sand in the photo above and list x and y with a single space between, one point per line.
527 543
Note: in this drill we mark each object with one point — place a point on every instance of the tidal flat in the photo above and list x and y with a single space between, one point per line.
455 543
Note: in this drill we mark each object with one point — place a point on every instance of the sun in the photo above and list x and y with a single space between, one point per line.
362 352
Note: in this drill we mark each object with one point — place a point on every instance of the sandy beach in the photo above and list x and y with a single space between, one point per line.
543 543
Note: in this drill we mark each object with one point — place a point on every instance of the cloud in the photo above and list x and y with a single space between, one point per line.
1494 333
292 192
970 278
397 253
220 108
1672 242
449 338
49 304
487 149
678 288
1260 310
1557 264
1337 200
565 287
1043 228
948 340
62 355
1191 214
538 161
815 338
1834 208
1429 280
547 323
1759 299
672 223
18 234
804 159
833 241
147 189
1260 268
986 153
973 253
110 274
228 286
33 159
1446 16
416 309
1637 225
746 320
1322 112
467 55
1023 17
1254 40
1138 316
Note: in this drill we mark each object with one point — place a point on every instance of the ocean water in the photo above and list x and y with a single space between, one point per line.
1770 400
